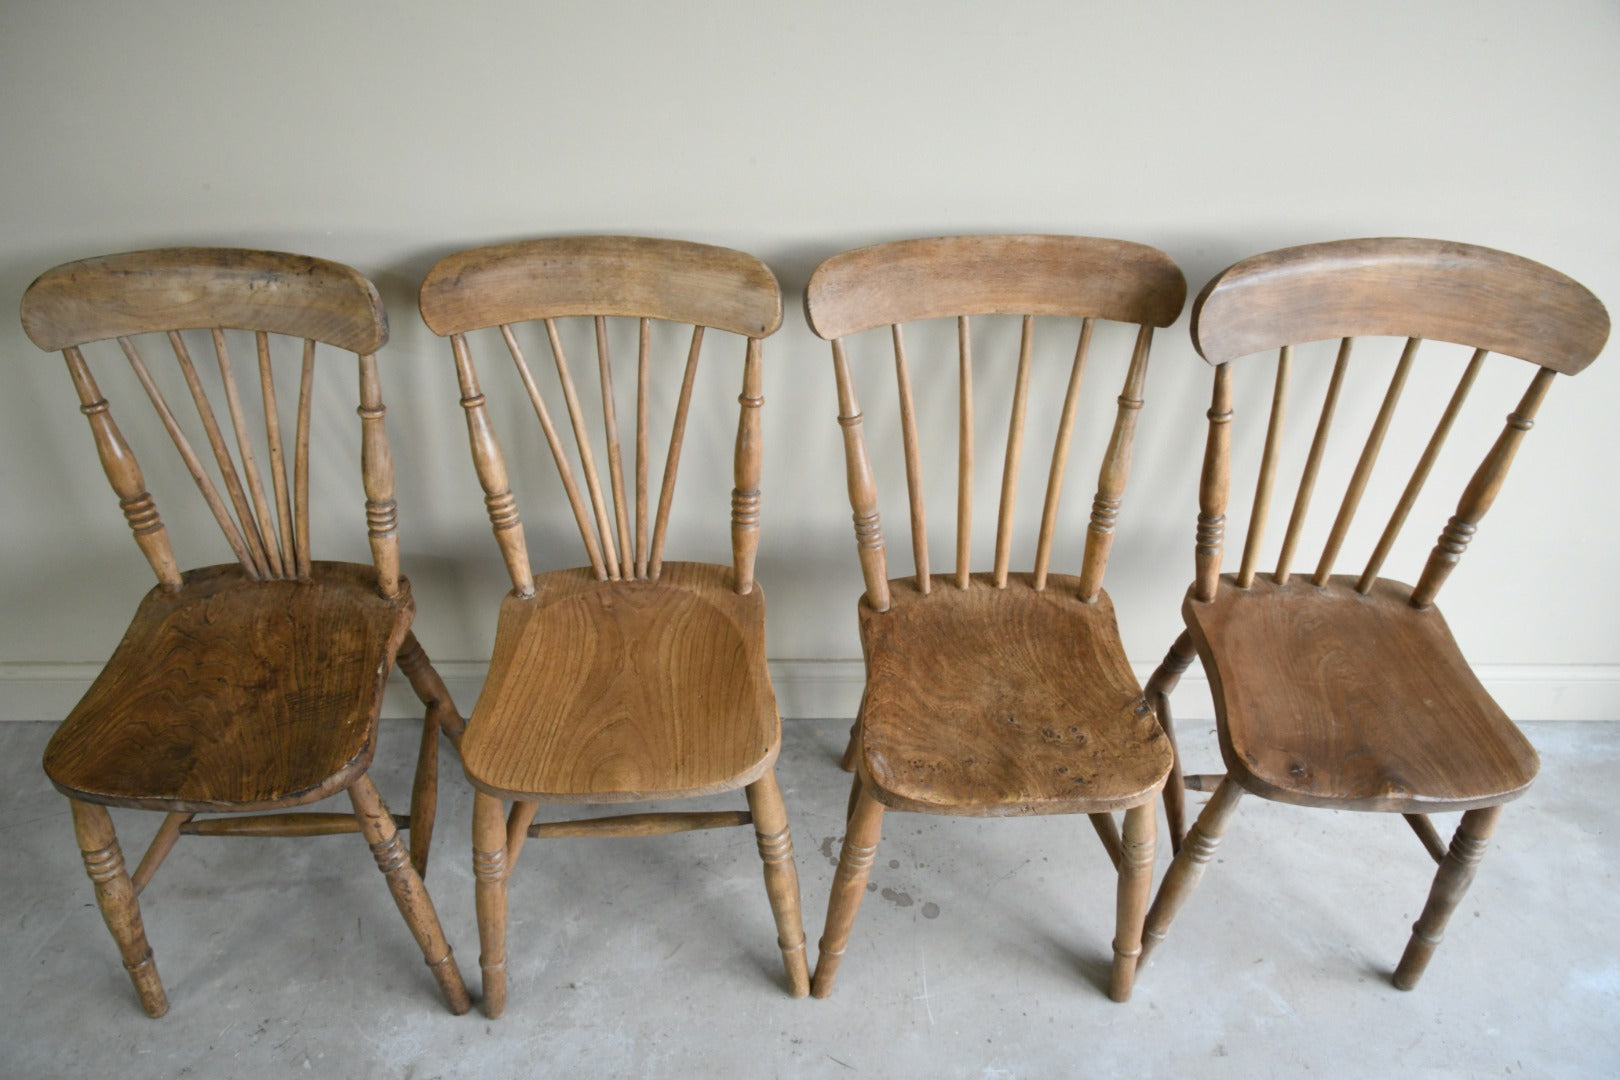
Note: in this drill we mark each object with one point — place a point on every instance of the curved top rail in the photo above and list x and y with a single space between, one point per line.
993 275
1400 287
204 288
601 275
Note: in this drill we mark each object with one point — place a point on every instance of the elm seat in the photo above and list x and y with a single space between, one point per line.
993 702
1311 715
606 691
233 694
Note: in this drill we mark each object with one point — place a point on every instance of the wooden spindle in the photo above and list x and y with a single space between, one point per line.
123 473
1364 465
1313 463
610 427
643 380
1116 470
1213 487
278 461
914 480
1060 457
1426 463
964 452
263 523
1015 447
222 455
564 472
377 472
587 458
672 461
1481 492
862 487
193 463
168 835
747 467
1268 471
306 397
491 469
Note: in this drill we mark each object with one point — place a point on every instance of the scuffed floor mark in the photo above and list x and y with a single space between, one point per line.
897 898
930 910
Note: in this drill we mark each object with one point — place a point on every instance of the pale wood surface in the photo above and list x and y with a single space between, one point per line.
1327 697
984 275
988 701
625 691
1400 287
202 289
601 275
230 694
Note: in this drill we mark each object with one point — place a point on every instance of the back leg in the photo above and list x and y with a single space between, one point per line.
115 895
441 716
1451 881
1159 687
853 747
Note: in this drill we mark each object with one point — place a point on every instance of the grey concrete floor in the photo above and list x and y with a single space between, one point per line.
982 950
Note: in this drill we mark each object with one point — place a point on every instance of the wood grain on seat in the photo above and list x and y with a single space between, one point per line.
1321 705
232 694
994 702
625 691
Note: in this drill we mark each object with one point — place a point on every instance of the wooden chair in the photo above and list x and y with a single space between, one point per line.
1001 693
1344 691
632 679
254 685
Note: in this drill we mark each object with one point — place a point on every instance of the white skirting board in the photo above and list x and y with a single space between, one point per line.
818 689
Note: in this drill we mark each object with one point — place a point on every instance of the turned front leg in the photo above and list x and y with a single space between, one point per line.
781 877
1188 865
115 895
1451 881
377 825
849 888
1135 886
490 872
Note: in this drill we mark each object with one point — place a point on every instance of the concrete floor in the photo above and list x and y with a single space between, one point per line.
982 951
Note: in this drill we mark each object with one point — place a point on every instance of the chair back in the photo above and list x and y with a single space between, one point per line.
600 278
288 304
1485 300
964 277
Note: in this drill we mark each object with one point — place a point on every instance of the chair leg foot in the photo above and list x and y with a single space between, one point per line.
1451 881
781 877
1188 865
377 825
115 895
1135 886
849 888
490 873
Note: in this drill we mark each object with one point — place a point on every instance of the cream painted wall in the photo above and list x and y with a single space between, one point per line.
387 135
